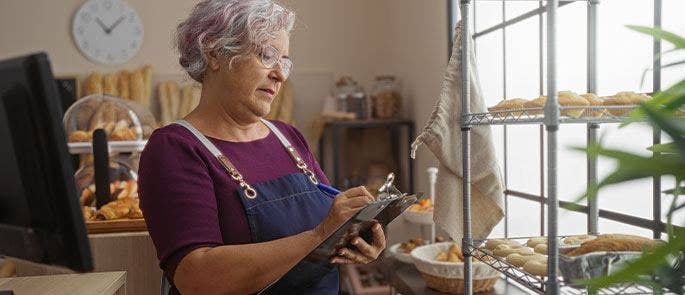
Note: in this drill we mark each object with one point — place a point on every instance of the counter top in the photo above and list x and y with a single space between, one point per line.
106 283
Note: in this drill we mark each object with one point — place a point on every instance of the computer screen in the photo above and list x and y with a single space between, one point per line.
40 217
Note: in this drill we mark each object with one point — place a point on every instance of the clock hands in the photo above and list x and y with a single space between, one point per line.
109 29
115 24
102 25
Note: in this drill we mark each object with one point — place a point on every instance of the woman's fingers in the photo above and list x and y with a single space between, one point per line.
378 237
342 260
364 248
354 256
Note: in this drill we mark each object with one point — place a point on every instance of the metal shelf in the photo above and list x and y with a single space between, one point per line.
537 284
534 116
76 148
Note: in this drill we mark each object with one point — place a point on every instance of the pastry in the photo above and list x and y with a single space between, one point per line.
508 105
105 114
124 82
88 212
625 98
571 99
615 242
410 245
80 136
452 255
536 267
93 84
492 244
111 85
535 241
115 210
541 248
594 101
537 103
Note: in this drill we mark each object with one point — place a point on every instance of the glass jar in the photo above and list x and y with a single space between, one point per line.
120 119
350 98
386 98
122 176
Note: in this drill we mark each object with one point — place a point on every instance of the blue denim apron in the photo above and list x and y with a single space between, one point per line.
283 207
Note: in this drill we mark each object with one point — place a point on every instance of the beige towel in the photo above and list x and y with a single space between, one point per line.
442 135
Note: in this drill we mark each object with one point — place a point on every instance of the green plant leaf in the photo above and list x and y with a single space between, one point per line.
674 127
641 266
681 191
665 148
632 167
670 37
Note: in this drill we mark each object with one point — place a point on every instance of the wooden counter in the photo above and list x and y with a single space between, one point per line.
105 283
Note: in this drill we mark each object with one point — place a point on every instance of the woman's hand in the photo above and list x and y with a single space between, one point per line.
364 253
345 205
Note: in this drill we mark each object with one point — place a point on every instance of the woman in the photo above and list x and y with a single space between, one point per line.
230 198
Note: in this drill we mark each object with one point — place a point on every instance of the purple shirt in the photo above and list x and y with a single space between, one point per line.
188 198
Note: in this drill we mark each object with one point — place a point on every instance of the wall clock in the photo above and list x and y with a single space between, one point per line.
109 32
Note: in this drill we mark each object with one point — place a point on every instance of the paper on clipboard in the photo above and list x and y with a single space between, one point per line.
381 211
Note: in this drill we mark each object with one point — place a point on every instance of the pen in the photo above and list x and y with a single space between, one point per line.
329 190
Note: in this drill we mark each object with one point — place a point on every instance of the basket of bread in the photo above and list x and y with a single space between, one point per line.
420 213
442 267
402 251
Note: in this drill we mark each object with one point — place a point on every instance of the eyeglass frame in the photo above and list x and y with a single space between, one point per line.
285 64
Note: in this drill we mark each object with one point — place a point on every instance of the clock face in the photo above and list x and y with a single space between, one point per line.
107 31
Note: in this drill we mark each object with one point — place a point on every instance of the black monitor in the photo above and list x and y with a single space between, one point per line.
40 217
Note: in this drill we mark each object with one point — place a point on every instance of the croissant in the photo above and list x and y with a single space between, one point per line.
115 209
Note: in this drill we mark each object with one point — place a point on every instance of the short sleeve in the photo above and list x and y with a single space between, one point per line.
177 198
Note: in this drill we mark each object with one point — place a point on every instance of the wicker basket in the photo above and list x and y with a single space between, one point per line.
448 276
456 286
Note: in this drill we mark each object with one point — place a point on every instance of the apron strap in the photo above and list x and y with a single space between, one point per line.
301 164
250 192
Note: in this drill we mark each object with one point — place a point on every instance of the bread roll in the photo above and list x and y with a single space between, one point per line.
571 99
594 102
535 104
492 244
541 248
508 105
517 259
535 241
536 267
625 98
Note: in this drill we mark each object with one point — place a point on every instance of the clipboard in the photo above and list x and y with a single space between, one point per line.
381 211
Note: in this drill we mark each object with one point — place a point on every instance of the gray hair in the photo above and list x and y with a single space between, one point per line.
229 27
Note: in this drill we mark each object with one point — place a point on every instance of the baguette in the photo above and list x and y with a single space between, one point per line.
146 71
110 85
174 100
137 87
124 82
93 84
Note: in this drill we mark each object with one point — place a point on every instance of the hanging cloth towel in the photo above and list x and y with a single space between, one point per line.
442 136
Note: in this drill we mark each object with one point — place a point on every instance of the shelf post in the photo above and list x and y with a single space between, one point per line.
466 145
592 128
552 126
656 133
